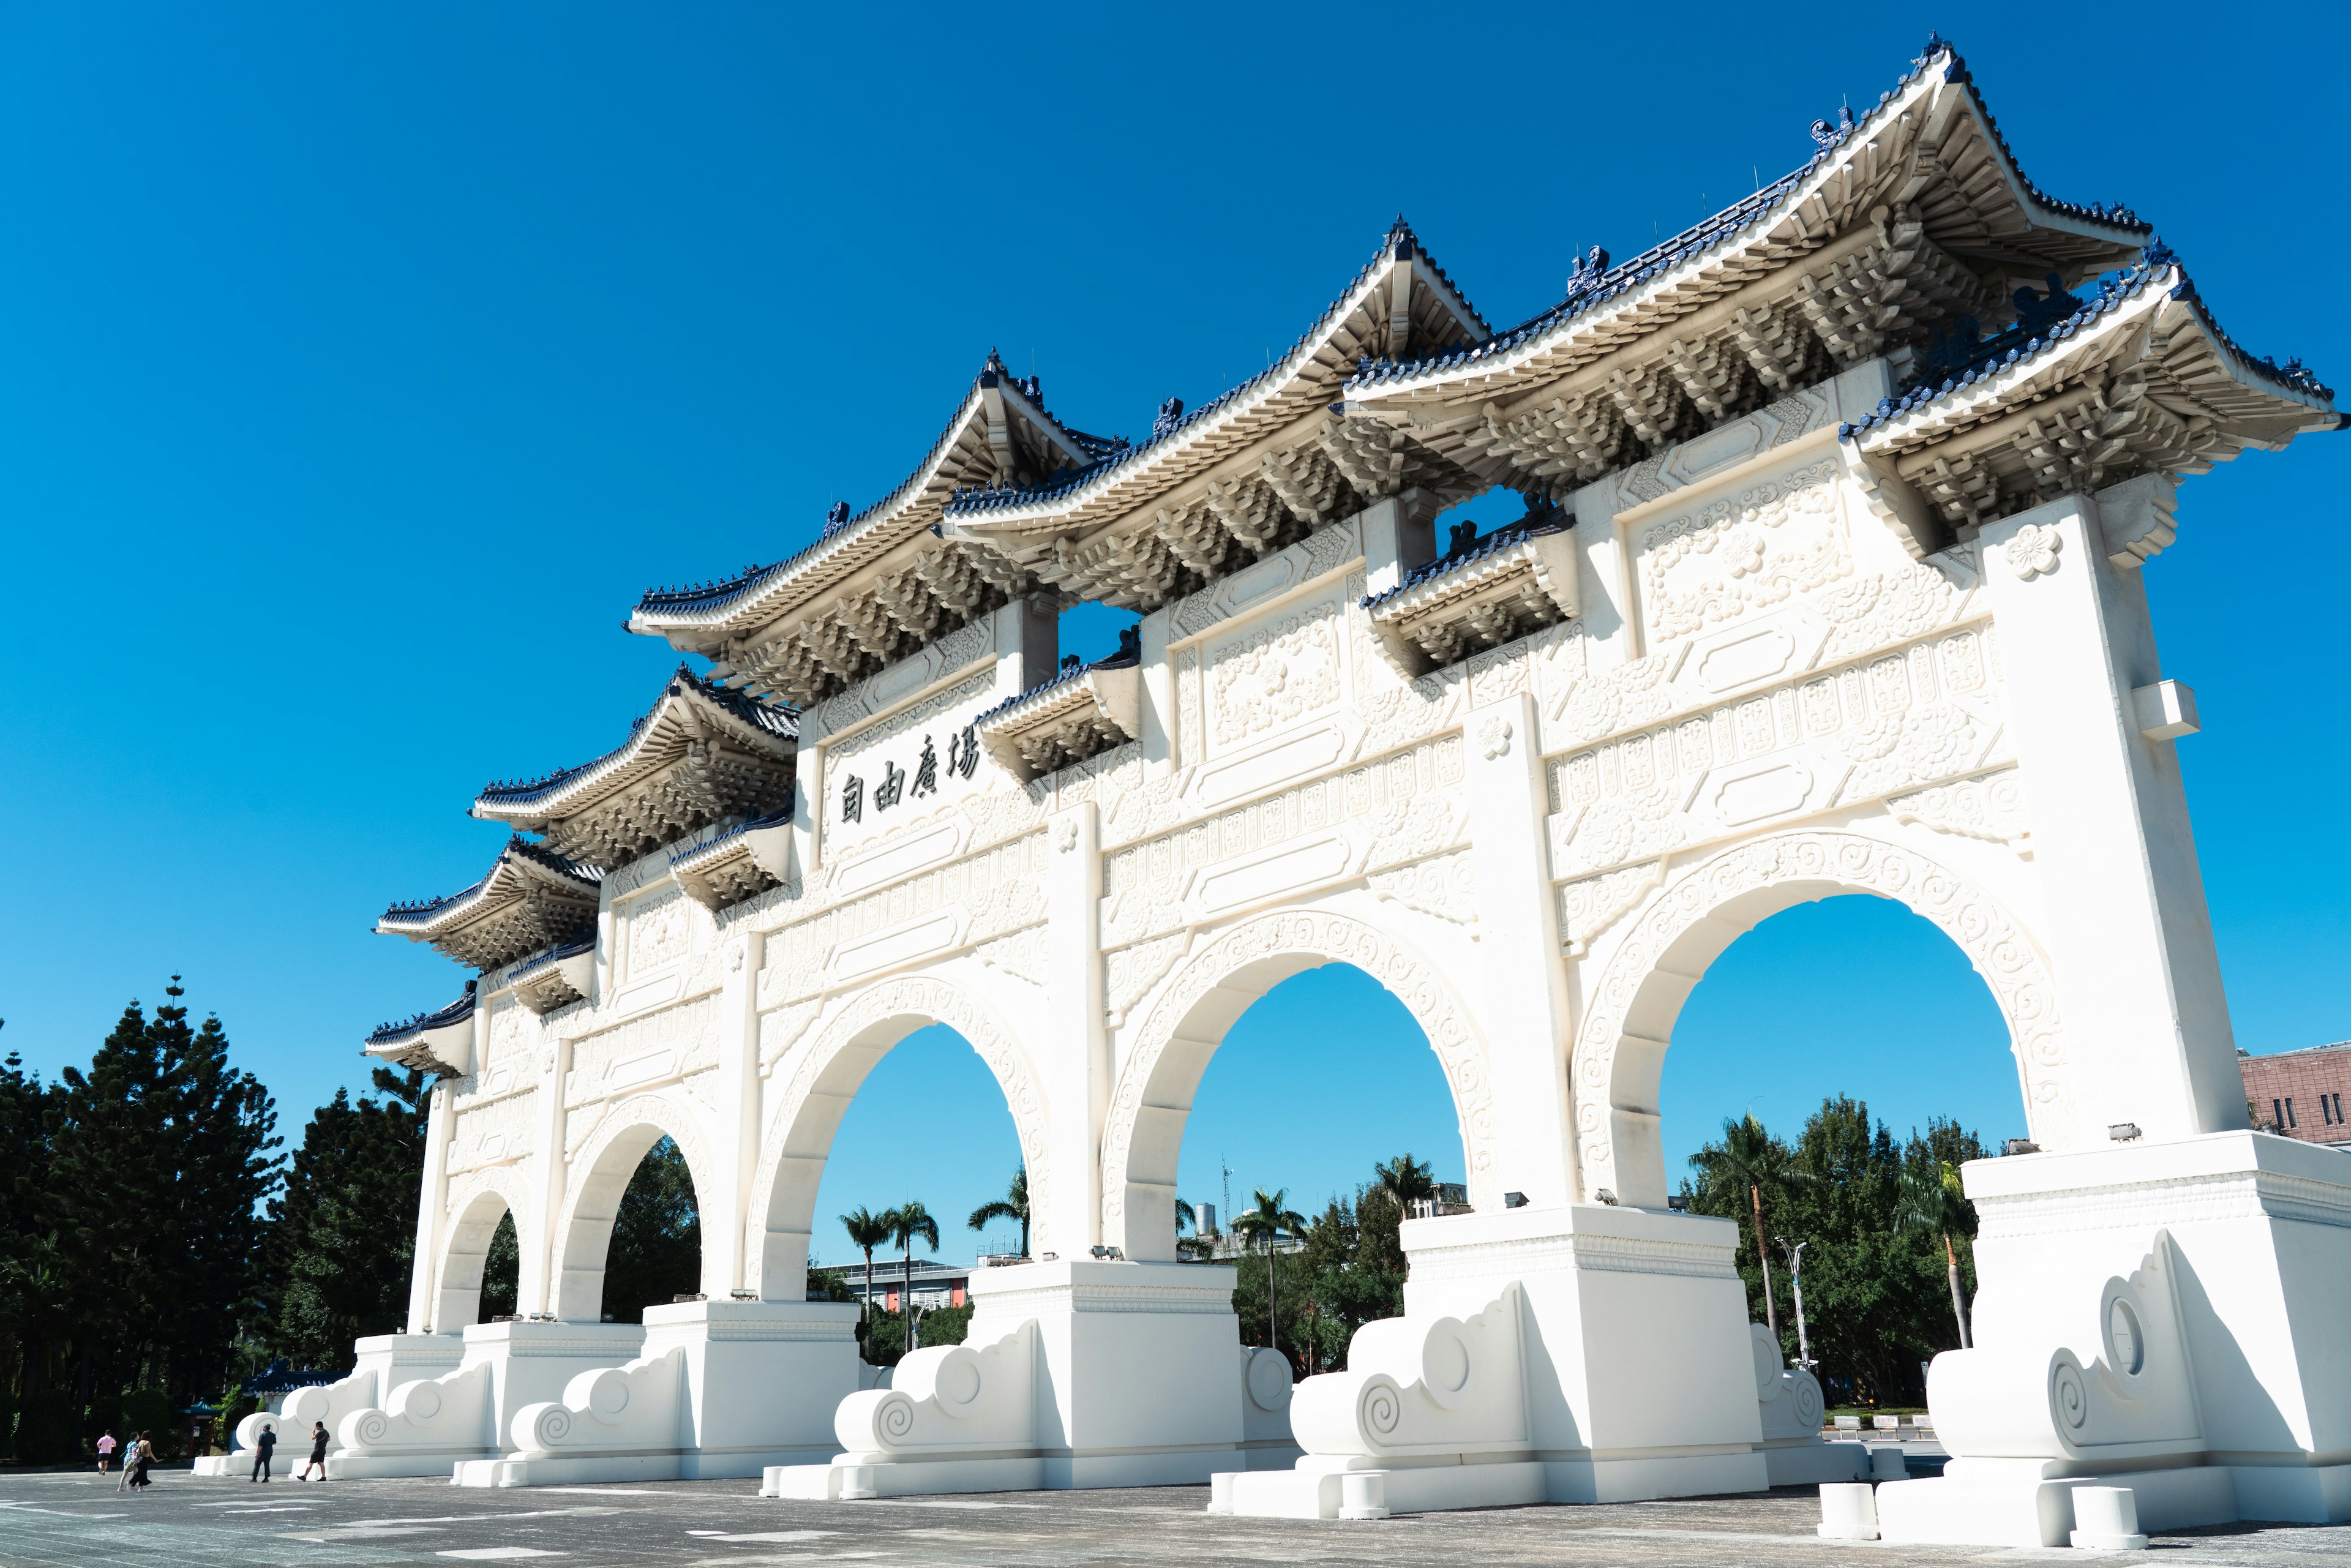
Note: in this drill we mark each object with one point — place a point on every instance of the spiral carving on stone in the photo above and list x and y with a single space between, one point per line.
2068 1397
1804 1398
365 1428
1379 1408
550 1427
894 1419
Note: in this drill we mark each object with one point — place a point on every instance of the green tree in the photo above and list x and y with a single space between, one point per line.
160 1157
1404 1181
1269 1222
1013 1205
655 1254
1933 1199
909 1223
1751 1158
501 1293
342 1228
868 1230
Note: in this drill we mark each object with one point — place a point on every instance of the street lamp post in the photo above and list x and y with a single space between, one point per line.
1796 1280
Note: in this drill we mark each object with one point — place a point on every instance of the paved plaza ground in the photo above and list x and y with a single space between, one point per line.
78 1521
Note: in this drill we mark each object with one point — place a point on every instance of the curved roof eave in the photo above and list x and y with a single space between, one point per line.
518 860
761 593
1666 266
771 727
989 514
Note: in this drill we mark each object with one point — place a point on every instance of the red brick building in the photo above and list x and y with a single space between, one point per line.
2302 1094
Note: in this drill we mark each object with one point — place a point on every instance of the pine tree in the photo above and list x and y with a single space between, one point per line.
656 1253
342 1230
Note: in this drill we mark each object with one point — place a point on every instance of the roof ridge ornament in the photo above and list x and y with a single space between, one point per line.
1827 135
1171 414
836 517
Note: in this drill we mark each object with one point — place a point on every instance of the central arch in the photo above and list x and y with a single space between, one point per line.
1629 1015
598 1175
1153 1097
826 1077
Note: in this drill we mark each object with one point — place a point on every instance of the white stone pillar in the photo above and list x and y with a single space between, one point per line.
547 1175
2146 1021
1522 997
736 1134
1070 1037
432 1206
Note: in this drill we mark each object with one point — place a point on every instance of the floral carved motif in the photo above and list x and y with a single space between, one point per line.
1736 554
1332 937
2032 552
2002 953
1588 907
1445 887
1990 808
658 930
1276 674
1129 972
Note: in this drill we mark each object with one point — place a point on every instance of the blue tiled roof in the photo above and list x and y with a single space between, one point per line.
1399 241
555 954
778 818
778 719
1533 526
425 909
710 597
1954 367
1128 654
1596 283
457 1011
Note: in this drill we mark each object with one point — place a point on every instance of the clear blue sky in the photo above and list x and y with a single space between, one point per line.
358 369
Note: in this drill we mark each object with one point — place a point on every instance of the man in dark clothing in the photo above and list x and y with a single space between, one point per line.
262 1448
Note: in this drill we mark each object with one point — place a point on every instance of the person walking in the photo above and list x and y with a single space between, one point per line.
318 1452
141 1454
106 1446
263 1447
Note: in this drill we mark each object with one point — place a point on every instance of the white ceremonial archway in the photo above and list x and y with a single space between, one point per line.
602 1168
1209 992
1629 1017
826 1077
477 1201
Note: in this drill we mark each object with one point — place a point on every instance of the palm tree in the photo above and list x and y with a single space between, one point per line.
1937 1200
867 1230
1014 1205
1270 1219
1405 1180
1185 1219
906 1224
1748 1156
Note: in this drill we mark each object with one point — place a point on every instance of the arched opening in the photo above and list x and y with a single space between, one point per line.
481 1262
619 1169
1324 1081
1795 1007
1193 1016
928 1135
927 1127
656 1252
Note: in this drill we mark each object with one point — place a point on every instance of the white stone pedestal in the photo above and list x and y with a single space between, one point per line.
428 1427
721 1388
2164 1316
1075 1374
384 1362
1589 1354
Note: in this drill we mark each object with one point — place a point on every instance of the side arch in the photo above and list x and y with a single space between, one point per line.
1153 1097
1629 1015
477 1202
597 1177
829 1072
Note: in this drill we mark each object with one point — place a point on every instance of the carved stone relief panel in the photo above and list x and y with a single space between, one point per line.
1903 719
1275 675
1739 554
508 1063
659 927
648 1049
999 890
499 1131
1406 806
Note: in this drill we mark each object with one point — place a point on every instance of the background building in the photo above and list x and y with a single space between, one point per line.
2301 1093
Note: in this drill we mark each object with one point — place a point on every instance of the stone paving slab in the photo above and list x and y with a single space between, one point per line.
80 1520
